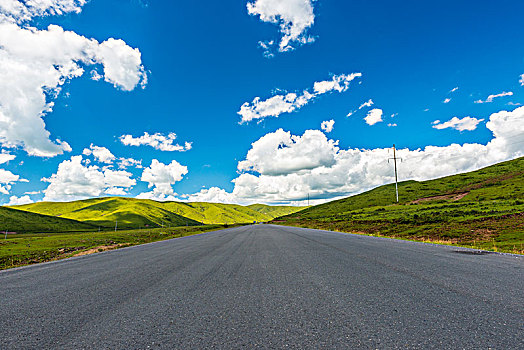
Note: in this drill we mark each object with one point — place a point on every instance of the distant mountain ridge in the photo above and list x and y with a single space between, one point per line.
135 213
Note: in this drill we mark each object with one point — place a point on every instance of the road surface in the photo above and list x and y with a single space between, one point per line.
267 286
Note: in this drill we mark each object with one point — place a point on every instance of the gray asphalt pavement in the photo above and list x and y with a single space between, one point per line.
268 287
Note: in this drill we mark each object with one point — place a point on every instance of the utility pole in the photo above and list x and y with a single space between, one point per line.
396 174
308 199
5 234
116 224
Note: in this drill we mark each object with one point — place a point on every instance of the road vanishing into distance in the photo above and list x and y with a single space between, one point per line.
267 286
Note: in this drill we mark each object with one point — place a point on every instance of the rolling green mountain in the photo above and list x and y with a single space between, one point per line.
134 213
482 209
274 210
19 221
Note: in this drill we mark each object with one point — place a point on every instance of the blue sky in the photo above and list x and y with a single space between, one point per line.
202 61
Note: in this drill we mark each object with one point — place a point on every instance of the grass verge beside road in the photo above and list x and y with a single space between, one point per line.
25 249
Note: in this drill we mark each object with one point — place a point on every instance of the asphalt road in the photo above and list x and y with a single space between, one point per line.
268 287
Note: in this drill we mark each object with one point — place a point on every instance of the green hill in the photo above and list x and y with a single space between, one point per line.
21 222
500 181
133 213
486 205
274 210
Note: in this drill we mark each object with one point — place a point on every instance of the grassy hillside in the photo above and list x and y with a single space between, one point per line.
500 181
274 210
19 221
134 213
483 208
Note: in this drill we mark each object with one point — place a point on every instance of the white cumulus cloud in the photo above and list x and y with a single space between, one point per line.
101 154
14 200
280 153
211 195
466 123
289 102
20 11
36 63
74 180
327 125
161 177
6 157
157 141
7 178
124 163
293 16
374 116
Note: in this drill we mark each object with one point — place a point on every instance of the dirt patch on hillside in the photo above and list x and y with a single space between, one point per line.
493 180
100 249
449 197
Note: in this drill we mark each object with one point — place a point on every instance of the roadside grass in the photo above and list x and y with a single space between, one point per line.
496 225
31 248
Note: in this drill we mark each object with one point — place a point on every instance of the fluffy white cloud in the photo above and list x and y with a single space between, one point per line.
161 177
124 163
339 83
289 102
466 123
14 200
374 116
6 157
392 124
35 64
327 125
101 154
7 178
20 11
122 64
281 153
212 195
521 80
492 97
157 141
283 168
293 16
74 180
